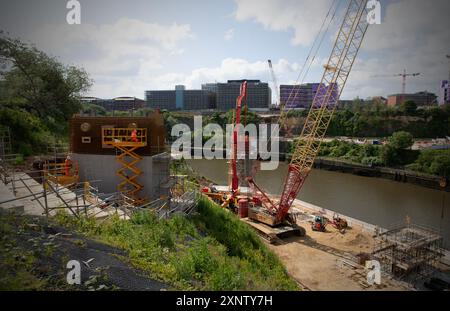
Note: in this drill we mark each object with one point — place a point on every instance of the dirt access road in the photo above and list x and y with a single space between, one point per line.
322 260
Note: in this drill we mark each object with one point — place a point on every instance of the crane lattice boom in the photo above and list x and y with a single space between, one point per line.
346 47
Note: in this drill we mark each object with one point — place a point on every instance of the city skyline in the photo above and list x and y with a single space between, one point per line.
131 47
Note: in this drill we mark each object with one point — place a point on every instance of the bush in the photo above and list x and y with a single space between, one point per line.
401 140
435 162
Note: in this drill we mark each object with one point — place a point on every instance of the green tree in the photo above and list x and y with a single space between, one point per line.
401 140
409 108
394 153
92 108
435 162
39 94
441 165
389 155
49 89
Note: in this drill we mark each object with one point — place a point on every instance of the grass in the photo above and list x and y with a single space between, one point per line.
212 250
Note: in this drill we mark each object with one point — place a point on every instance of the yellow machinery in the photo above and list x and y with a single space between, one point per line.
64 174
127 141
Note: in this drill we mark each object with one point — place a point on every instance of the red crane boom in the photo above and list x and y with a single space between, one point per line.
234 173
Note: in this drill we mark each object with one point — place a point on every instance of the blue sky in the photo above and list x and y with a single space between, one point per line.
131 46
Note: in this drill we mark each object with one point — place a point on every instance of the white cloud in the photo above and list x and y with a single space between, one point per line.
414 34
230 68
128 56
229 34
116 55
304 17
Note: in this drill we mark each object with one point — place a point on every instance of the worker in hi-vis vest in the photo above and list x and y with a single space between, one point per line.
67 165
134 136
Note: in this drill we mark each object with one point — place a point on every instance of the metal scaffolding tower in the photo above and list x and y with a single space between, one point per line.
408 251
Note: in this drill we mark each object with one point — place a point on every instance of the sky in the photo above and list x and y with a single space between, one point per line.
131 46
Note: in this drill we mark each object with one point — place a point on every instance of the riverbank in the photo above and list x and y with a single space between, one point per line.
399 175
348 167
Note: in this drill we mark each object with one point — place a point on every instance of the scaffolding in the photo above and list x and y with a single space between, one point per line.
127 141
64 174
408 252
5 142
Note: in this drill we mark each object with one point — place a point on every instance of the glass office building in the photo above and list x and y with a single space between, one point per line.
258 94
179 99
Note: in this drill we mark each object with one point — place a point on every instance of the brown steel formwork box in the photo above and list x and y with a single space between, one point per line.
86 133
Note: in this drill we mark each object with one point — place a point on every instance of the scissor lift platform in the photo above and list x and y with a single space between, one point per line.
127 141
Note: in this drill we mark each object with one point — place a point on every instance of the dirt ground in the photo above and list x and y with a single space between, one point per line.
323 260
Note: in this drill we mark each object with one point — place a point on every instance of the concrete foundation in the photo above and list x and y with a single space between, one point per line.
155 172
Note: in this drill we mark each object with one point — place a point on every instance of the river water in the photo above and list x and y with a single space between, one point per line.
376 201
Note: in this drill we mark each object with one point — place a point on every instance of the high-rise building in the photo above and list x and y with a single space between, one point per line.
258 94
302 95
161 99
297 96
197 100
179 99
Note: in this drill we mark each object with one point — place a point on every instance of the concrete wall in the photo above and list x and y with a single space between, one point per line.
104 167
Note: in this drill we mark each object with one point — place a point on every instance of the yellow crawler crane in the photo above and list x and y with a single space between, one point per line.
127 141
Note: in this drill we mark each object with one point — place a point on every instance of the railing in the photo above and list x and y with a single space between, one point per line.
61 173
114 135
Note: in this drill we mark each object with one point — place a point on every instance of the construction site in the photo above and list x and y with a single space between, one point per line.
121 166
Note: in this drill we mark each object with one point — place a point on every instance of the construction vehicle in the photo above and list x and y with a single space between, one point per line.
319 224
273 213
339 223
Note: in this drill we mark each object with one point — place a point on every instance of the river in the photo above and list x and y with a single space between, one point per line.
376 201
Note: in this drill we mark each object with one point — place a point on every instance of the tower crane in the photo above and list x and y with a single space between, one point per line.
404 74
337 70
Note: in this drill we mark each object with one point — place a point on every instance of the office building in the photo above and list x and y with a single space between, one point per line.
117 104
258 94
420 98
180 99
302 95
